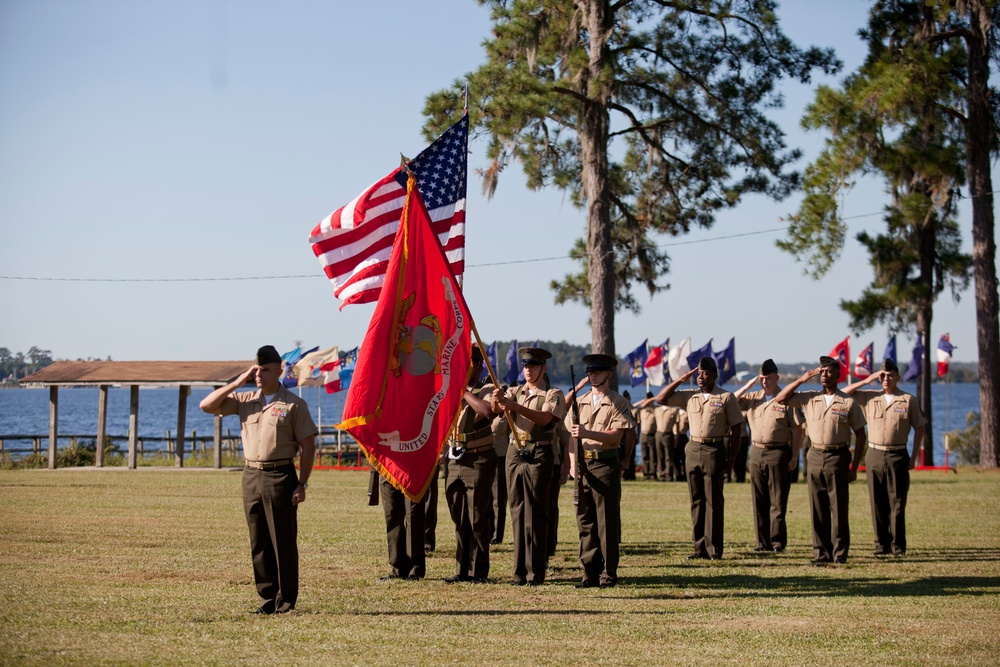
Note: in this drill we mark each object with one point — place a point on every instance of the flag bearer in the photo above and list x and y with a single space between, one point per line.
469 478
605 416
535 408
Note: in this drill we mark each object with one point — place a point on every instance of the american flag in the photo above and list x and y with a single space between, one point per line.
354 242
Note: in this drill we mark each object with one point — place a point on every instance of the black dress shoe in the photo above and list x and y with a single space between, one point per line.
390 577
695 556
899 554
820 560
714 557
518 582
587 583
779 548
495 541
456 579
267 608
760 549
477 580
840 561
414 577
609 584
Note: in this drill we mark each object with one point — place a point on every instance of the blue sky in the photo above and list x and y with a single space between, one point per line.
165 140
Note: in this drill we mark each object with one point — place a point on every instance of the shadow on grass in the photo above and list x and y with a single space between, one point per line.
752 586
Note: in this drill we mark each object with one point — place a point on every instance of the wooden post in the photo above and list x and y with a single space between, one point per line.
53 424
133 425
217 455
181 418
102 426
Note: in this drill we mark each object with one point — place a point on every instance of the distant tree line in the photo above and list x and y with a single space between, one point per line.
16 365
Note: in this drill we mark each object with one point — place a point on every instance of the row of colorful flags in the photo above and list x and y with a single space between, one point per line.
318 368
864 363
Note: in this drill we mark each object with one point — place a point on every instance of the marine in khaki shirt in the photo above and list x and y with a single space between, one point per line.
275 425
776 434
891 414
599 421
714 416
831 417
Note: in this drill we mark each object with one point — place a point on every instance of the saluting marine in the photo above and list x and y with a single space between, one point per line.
775 434
890 413
714 416
830 416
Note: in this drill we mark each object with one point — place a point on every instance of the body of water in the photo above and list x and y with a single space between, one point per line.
26 411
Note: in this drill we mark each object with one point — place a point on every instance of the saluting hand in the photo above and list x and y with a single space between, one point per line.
249 375
688 375
808 375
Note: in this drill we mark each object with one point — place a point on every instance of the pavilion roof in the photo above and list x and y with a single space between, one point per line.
146 373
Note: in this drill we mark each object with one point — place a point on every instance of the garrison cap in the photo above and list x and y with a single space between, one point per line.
268 355
600 362
828 361
477 354
708 364
768 367
889 365
626 394
534 354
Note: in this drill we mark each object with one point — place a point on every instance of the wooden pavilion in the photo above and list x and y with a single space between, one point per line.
133 374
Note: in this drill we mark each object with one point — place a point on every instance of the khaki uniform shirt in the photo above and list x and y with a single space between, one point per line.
713 417
829 425
770 423
683 423
501 435
890 424
611 412
666 418
468 433
647 420
550 399
270 432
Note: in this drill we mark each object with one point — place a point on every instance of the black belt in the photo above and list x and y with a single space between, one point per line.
475 435
268 465
770 445
833 447
593 454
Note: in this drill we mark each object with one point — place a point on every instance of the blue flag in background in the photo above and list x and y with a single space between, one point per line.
890 350
511 376
347 363
637 364
726 360
289 378
491 359
916 363
696 356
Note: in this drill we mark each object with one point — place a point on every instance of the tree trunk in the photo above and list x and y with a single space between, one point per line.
594 124
984 249
924 385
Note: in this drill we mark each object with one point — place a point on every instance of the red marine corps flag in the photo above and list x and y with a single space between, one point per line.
411 373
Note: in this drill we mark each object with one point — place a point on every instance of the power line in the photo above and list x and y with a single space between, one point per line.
712 239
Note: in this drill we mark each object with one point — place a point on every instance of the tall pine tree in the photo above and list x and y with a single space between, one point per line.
651 113
892 119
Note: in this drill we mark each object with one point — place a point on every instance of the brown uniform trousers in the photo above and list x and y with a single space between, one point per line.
598 517
888 474
404 529
706 465
828 502
651 461
267 494
770 481
468 487
431 510
529 480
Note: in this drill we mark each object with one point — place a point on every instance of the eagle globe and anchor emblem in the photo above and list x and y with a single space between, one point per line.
418 347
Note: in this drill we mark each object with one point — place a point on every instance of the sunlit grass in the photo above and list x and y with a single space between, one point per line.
153 567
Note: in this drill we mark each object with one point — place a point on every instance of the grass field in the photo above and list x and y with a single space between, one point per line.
153 567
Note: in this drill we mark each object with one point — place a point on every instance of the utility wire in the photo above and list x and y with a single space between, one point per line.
712 239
